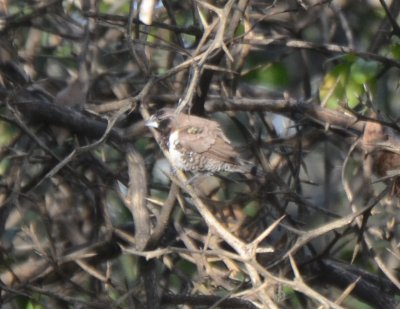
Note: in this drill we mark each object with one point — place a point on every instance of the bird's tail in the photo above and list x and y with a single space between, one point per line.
251 170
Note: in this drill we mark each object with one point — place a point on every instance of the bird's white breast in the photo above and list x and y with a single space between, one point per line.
176 155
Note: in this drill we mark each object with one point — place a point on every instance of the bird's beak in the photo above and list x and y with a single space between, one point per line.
152 122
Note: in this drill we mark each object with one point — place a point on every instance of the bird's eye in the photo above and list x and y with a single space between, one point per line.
193 130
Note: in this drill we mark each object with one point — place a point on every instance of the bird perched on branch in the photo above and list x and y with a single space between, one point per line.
197 144
381 145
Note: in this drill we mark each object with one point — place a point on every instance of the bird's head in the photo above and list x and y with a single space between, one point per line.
161 119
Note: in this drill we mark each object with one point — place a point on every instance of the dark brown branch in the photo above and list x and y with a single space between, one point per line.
66 117
324 48
123 20
293 109
375 290
206 300
394 8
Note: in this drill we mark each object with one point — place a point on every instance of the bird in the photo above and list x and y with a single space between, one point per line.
380 145
197 144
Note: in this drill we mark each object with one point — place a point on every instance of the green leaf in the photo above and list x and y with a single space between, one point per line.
362 71
353 93
395 50
344 83
273 75
251 209
332 90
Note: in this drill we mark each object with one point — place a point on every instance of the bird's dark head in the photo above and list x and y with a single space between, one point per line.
161 119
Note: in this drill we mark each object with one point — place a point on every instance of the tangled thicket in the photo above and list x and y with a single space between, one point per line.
92 216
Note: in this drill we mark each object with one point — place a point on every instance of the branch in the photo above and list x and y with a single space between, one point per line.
66 117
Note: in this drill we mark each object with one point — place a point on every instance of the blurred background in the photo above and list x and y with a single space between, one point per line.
89 215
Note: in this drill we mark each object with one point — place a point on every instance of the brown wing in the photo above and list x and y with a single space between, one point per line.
206 137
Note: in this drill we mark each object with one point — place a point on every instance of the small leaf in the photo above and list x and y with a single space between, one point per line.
251 209
332 90
345 82
353 93
363 71
395 50
274 75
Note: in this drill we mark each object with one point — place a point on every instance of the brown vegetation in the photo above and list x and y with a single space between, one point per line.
91 215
